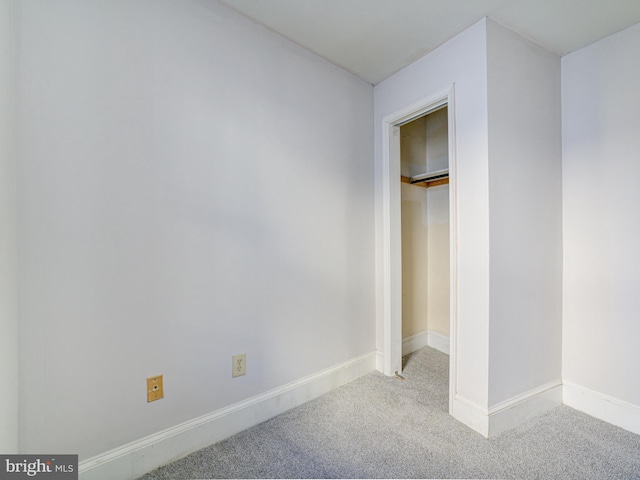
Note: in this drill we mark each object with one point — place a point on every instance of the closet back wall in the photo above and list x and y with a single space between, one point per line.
190 186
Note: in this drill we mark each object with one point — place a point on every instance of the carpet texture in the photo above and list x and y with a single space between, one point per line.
382 427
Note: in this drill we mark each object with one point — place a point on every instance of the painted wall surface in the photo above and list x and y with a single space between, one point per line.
525 202
600 122
8 252
437 124
413 147
190 186
438 268
425 259
424 144
460 61
415 261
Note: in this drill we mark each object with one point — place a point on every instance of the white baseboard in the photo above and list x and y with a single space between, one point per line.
380 361
510 413
470 414
423 339
414 343
136 458
438 341
609 409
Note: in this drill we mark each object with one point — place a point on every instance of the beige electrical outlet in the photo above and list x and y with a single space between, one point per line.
239 365
154 388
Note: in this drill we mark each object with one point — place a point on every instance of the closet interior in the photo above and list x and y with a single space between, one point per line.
424 160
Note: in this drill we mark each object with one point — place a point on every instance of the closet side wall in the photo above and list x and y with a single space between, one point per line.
438 268
415 262
438 284
413 161
525 201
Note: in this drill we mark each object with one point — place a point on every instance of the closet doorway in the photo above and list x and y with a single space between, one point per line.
434 169
424 198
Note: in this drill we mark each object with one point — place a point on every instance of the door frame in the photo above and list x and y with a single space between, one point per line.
391 260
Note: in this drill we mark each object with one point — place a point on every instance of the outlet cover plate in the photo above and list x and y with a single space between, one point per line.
154 388
239 365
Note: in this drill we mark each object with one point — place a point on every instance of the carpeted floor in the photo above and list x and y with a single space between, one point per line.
381 427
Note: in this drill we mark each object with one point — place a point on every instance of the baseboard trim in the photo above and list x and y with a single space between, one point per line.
414 343
438 341
423 339
604 407
470 414
516 410
136 458
509 413
380 361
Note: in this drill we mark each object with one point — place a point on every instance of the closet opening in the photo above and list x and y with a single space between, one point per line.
424 205
418 244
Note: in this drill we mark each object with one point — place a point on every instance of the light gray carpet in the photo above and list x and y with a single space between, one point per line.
381 427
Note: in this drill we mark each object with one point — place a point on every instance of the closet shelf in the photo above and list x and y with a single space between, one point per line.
431 179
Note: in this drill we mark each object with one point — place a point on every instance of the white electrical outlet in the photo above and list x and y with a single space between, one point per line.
239 365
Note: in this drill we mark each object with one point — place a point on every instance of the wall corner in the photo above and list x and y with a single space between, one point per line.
8 238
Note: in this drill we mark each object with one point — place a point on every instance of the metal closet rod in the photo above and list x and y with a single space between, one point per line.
427 177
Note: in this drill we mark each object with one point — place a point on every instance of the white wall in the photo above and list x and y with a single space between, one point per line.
413 147
415 261
190 186
601 145
525 210
437 126
8 267
462 60
425 260
438 268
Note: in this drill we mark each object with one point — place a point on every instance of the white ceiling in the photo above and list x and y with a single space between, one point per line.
375 38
